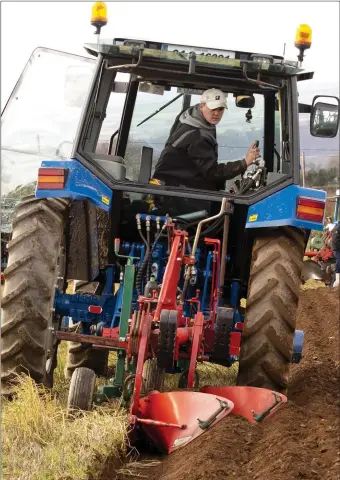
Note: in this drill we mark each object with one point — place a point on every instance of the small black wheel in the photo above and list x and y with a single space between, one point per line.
129 384
80 395
153 376
167 339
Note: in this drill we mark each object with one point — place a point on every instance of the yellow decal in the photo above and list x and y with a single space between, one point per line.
105 200
253 217
154 181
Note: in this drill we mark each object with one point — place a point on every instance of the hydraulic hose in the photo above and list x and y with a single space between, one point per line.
158 236
209 229
224 253
194 247
139 276
147 258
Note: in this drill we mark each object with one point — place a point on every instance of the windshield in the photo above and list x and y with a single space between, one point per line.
234 134
41 117
237 130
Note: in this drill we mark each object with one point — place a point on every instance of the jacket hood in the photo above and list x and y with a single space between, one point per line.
194 117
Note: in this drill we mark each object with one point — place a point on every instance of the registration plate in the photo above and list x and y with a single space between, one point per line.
208 52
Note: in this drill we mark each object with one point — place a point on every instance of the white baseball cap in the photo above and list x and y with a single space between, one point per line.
214 98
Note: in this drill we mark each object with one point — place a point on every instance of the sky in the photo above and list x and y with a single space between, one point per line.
262 27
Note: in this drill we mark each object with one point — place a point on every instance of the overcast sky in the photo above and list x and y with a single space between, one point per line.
251 26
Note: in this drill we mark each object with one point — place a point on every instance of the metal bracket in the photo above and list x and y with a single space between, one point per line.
205 424
258 417
260 83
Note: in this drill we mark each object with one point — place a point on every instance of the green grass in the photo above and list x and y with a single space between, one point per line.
209 374
40 442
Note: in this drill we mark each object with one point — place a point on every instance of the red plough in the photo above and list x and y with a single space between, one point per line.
171 420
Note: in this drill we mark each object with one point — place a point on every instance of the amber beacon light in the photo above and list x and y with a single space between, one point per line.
303 40
99 16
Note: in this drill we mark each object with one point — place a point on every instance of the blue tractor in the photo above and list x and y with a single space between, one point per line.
93 252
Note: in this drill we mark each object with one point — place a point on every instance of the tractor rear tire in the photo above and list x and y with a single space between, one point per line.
30 280
270 320
153 376
81 391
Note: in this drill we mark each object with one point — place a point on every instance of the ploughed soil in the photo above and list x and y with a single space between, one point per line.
301 441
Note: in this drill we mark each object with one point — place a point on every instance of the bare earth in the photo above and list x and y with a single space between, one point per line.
302 440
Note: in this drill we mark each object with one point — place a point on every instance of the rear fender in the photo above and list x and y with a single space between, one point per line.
279 209
81 184
88 219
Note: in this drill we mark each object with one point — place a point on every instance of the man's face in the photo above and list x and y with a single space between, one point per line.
212 116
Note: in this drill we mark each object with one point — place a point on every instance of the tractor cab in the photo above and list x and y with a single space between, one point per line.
112 113
140 87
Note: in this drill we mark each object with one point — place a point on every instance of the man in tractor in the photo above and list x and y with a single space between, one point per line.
336 250
190 155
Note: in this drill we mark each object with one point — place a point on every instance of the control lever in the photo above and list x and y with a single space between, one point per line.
253 177
259 160
255 173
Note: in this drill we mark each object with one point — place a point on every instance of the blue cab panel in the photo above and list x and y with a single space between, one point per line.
279 209
81 184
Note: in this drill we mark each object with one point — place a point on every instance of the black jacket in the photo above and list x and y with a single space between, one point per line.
336 238
190 155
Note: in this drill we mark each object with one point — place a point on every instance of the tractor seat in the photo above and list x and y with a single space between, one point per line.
145 166
113 164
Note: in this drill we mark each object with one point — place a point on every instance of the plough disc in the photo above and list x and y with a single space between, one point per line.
172 420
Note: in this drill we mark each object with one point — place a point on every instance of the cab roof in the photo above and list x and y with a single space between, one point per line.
212 58
169 64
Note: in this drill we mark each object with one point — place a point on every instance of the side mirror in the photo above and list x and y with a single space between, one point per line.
245 101
324 119
77 82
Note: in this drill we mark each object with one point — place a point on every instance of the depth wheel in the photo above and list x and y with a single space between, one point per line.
153 376
167 339
270 320
81 391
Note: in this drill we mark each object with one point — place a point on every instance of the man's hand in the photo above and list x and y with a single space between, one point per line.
252 154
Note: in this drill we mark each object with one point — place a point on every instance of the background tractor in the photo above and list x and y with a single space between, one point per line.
160 274
321 261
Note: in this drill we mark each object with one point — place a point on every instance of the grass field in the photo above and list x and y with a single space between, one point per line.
39 442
